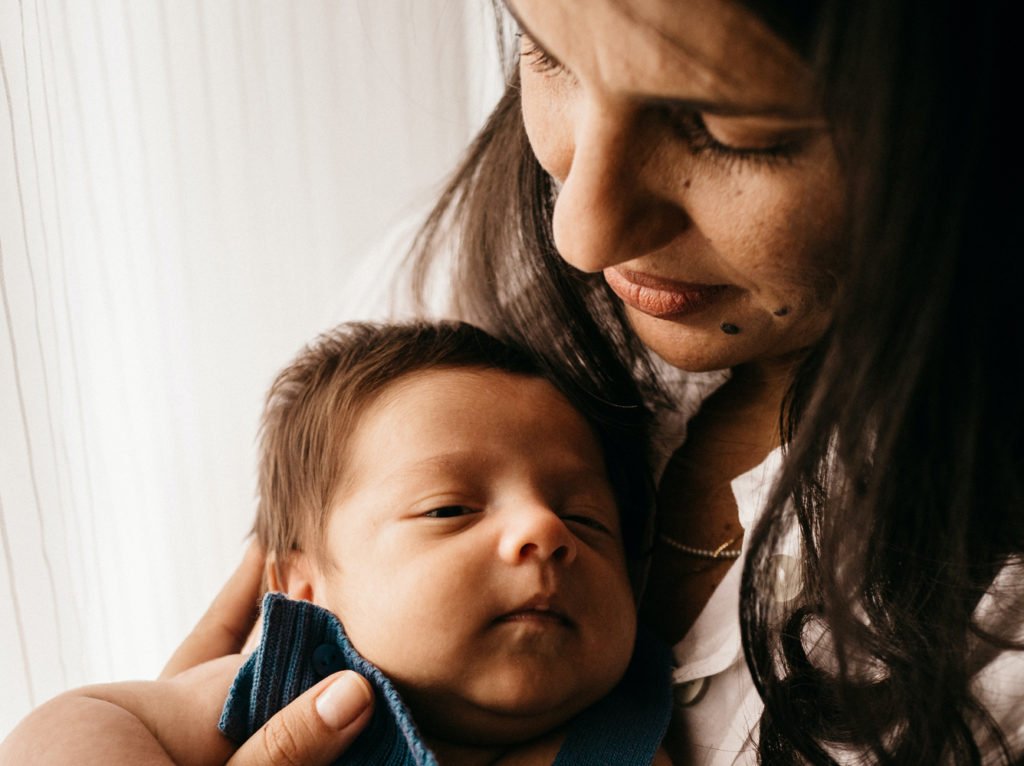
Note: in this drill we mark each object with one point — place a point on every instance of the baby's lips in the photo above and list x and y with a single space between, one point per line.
538 607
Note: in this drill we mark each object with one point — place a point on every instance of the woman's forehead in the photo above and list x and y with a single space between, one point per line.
712 50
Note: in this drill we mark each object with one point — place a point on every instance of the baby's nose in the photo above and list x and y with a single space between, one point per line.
536 533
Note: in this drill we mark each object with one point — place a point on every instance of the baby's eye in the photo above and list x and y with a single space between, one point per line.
587 521
449 511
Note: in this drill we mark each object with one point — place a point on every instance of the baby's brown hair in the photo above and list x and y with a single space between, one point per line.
315 403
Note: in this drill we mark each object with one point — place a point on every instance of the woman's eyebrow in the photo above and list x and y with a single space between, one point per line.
809 118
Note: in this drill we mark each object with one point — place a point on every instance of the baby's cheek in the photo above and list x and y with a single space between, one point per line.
616 619
389 621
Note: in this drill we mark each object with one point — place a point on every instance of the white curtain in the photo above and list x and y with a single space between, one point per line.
188 191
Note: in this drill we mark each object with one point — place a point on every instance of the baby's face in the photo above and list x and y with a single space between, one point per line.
477 556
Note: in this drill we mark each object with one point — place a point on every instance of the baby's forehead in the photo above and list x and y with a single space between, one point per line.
493 395
424 378
469 419
490 390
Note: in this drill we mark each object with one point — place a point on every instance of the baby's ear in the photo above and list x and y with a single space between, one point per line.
291 574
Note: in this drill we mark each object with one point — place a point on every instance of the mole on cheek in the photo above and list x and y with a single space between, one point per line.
781 312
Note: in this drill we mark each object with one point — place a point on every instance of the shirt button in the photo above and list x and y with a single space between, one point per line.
789 581
690 693
327 659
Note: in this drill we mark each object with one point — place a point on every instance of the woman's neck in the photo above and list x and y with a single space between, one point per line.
734 431
745 413
757 389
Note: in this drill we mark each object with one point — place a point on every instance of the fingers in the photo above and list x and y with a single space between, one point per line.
315 729
254 637
224 627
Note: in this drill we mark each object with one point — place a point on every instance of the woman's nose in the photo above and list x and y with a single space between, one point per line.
610 208
536 533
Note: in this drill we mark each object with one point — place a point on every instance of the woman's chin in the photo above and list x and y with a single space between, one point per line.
705 343
694 346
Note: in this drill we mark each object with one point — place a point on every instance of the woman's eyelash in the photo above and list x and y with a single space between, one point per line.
540 60
691 126
688 123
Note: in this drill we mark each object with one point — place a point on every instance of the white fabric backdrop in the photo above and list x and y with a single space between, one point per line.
186 191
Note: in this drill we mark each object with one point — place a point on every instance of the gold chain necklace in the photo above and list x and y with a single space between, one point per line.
721 552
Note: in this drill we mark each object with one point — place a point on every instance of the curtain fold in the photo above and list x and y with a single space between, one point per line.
188 191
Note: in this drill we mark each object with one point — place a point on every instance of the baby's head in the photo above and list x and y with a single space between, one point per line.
426 484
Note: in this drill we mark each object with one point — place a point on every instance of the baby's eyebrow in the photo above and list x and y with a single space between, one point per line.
573 474
452 460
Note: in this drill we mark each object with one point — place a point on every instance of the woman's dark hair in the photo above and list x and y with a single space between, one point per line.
905 462
903 429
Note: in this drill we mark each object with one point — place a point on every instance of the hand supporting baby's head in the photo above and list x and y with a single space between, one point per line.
429 486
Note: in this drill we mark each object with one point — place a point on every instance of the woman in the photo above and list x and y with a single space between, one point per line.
804 194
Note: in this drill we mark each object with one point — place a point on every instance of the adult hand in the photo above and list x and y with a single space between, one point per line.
174 720
315 728
228 622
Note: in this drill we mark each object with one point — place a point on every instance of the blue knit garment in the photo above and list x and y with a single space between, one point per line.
303 643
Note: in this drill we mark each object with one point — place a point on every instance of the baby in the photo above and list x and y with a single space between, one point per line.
426 485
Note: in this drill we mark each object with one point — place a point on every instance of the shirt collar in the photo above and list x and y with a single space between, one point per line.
713 643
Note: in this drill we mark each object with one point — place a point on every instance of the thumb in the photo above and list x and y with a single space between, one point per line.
315 729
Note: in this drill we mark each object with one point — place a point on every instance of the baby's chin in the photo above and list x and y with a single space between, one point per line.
503 714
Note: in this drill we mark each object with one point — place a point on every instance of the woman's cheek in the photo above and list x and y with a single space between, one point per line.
547 122
773 228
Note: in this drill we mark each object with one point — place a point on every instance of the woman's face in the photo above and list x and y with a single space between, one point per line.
695 171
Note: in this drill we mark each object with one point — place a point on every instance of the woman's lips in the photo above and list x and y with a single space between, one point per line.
660 297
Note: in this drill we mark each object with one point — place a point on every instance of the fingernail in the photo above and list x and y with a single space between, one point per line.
342 702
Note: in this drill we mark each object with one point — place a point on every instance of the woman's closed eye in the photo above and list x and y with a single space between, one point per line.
738 138
540 60
731 139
